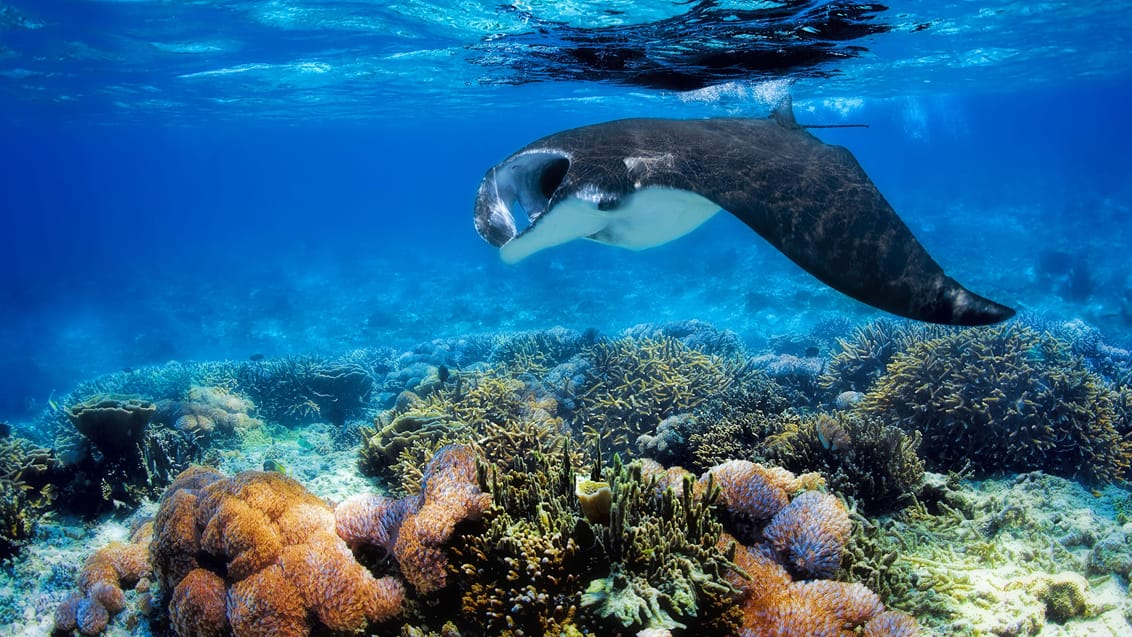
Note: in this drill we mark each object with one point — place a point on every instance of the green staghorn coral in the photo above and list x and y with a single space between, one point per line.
634 384
504 418
538 567
865 354
1003 399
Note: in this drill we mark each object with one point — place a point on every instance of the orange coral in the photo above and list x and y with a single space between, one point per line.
285 570
891 624
450 493
100 584
416 529
197 606
810 532
748 491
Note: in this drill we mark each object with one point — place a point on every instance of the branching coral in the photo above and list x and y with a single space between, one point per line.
504 418
273 547
1003 399
730 424
865 354
538 352
633 385
860 457
305 389
27 476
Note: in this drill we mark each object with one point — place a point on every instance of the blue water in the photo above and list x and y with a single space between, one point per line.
214 180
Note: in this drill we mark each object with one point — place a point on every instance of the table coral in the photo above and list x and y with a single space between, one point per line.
274 546
114 424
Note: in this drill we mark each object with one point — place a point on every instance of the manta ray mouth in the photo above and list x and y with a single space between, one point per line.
528 181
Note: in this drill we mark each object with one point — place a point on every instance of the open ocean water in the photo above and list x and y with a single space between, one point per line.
289 182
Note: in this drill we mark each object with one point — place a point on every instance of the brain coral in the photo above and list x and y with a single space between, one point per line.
1003 398
260 554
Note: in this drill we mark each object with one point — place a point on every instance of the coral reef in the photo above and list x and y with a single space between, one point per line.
209 411
540 351
1002 399
105 574
874 464
415 529
730 424
114 454
305 389
113 424
256 554
694 334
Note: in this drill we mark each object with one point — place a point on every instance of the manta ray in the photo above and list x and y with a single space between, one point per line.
640 183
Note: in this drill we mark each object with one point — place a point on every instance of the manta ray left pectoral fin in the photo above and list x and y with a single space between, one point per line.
572 219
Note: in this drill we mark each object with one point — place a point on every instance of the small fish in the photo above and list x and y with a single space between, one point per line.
443 374
303 444
274 465
847 399
53 405
5 430
255 358
127 370
811 352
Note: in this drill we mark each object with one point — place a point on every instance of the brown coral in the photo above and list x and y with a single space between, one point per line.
105 573
273 547
417 528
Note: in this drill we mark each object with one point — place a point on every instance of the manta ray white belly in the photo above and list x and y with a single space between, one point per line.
644 219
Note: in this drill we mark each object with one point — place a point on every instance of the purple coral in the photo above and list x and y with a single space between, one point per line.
809 535
748 491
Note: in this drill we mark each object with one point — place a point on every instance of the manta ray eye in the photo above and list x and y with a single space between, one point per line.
553 172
